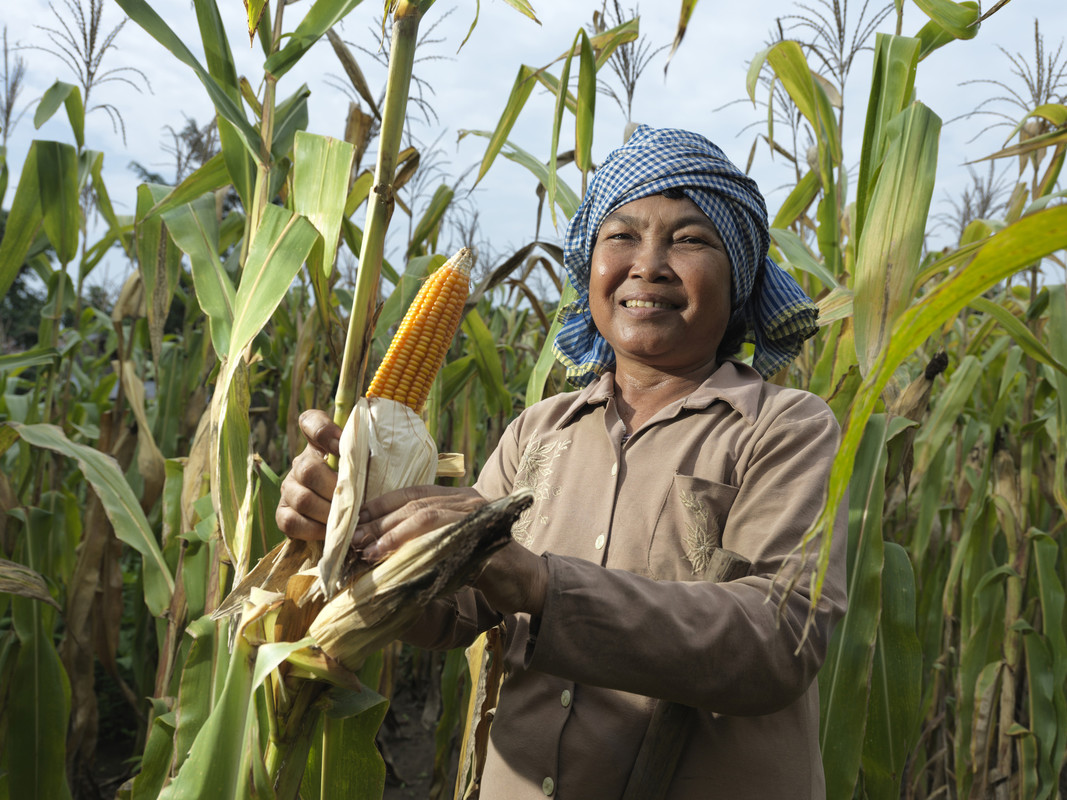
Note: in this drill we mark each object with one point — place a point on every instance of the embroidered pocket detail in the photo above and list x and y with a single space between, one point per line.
689 527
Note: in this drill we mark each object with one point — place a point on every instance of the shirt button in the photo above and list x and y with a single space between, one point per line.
599 543
547 786
614 469
565 698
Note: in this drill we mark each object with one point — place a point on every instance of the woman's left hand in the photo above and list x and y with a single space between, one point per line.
396 517
513 579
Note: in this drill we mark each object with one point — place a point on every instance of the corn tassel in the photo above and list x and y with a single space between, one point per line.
418 349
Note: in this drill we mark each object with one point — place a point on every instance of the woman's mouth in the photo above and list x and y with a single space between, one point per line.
646 304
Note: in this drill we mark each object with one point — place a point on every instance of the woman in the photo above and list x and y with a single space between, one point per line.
670 450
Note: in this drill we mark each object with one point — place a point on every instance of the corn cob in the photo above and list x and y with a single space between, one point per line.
419 346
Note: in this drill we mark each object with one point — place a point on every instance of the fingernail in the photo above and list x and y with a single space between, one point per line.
370 552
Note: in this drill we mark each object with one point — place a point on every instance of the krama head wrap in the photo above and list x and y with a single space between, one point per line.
776 313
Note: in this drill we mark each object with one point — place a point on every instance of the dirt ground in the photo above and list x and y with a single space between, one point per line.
407 744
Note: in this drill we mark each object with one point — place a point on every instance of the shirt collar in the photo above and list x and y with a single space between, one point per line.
734 382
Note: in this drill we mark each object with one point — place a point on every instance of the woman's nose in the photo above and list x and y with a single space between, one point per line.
652 263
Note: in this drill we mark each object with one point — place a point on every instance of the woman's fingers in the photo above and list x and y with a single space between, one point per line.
307 490
320 431
397 517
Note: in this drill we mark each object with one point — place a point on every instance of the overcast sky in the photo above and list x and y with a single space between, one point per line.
703 90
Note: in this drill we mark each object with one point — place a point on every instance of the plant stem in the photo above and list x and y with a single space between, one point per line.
379 208
287 754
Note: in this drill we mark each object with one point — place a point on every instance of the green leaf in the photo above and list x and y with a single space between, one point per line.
57 175
896 682
290 116
120 505
255 11
18 579
844 680
1018 331
196 689
195 229
34 357
282 242
159 260
322 16
213 768
211 176
795 251
888 256
1048 704
344 760
487 357
37 718
557 124
892 86
520 93
121 229
320 185
943 416
755 66
431 219
155 761
583 121
606 43
23 222
69 95
787 60
231 456
958 19
523 8
798 201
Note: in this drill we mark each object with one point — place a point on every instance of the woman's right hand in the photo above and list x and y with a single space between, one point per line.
307 490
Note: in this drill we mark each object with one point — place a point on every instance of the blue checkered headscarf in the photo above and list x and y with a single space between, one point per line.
776 313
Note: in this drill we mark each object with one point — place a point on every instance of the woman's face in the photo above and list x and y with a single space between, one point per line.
659 285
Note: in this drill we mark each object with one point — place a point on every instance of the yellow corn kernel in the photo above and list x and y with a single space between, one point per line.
419 346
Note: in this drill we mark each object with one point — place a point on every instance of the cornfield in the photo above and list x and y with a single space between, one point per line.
142 442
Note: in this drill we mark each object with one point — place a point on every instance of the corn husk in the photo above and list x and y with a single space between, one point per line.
384 446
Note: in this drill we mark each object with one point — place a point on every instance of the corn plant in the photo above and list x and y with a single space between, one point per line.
914 619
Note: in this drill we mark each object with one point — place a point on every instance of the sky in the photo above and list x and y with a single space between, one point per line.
703 89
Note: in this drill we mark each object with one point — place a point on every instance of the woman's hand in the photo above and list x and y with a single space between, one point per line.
513 580
307 490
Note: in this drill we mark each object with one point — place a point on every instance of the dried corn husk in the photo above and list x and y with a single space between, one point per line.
384 446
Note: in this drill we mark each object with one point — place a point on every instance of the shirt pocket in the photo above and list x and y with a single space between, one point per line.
688 528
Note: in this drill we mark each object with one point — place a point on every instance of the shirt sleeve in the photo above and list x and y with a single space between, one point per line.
742 648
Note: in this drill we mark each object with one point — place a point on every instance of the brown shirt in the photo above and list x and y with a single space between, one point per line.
626 526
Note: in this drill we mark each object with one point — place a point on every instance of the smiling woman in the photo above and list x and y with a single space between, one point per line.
672 458
659 286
